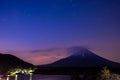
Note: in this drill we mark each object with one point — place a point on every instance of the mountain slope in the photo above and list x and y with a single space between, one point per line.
82 57
8 61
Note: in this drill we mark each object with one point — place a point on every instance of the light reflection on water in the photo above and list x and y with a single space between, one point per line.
43 77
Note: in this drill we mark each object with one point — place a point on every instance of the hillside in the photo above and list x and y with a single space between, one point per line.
8 61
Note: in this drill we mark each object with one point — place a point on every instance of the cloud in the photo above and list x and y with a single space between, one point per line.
38 57
47 56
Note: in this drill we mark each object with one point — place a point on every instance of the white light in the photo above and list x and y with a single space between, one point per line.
8 77
23 72
30 76
16 77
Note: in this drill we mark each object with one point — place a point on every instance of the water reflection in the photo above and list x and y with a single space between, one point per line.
42 77
51 77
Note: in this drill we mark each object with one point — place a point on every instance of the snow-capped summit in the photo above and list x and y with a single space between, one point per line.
80 51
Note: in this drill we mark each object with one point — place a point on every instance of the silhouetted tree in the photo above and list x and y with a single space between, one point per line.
104 74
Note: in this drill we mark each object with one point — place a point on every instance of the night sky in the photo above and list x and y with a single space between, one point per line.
50 26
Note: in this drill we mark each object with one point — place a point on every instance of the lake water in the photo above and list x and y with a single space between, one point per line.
42 77
51 77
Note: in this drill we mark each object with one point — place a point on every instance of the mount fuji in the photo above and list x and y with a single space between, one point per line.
81 61
82 57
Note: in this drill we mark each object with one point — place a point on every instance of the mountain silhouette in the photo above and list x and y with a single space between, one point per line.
82 57
8 62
